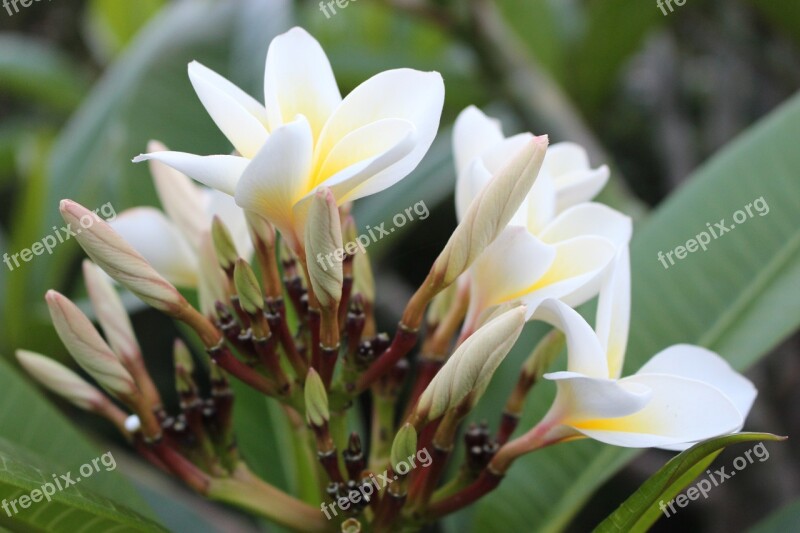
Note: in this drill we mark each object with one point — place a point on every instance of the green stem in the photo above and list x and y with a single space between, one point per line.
382 432
248 492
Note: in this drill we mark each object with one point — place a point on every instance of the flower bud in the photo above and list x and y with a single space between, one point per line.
213 283
120 261
363 280
111 313
87 347
61 380
404 446
223 244
323 237
467 373
317 413
250 296
490 212
184 367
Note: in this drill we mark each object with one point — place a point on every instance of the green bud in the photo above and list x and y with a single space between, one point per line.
223 244
250 296
317 413
184 367
404 446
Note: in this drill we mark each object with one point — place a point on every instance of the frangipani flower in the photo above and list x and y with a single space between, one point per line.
551 248
173 240
307 136
684 394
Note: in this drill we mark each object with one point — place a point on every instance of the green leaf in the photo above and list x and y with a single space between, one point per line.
784 519
75 508
738 298
641 510
41 421
33 70
110 26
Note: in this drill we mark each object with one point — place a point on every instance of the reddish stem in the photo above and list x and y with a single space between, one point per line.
485 483
402 343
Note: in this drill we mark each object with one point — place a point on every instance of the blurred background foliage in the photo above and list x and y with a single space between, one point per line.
85 84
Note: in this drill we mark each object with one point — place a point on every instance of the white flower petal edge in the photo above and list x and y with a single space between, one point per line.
221 172
299 80
473 132
614 312
576 182
590 403
168 252
230 108
697 363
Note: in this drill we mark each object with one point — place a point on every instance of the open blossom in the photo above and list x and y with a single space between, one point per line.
306 135
684 394
557 245
172 240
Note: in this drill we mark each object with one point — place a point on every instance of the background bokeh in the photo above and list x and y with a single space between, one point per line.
85 84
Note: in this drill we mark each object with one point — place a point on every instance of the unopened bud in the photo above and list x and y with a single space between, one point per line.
184 367
110 313
490 212
87 347
120 261
250 296
468 371
223 244
316 396
404 446
61 380
363 280
323 237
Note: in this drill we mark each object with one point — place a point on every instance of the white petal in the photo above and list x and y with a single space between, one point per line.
298 80
508 267
589 219
239 117
469 184
181 199
539 207
583 400
576 181
359 149
680 410
473 134
614 312
277 177
695 362
576 274
151 234
411 95
584 352
220 172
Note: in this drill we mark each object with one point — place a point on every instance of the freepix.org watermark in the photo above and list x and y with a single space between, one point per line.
668 3
59 236
8 4
373 234
60 482
703 239
372 484
714 479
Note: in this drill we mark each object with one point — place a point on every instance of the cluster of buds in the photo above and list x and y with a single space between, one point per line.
302 332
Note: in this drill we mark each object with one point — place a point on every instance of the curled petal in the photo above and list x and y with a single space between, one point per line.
680 411
576 182
589 219
584 353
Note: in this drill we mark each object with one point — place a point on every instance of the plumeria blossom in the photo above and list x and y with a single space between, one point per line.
306 135
684 394
557 245
174 241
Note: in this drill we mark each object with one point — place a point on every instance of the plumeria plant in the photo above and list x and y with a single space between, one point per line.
530 245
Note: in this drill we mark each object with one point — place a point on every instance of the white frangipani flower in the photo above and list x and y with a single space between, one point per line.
684 394
306 135
547 251
172 240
